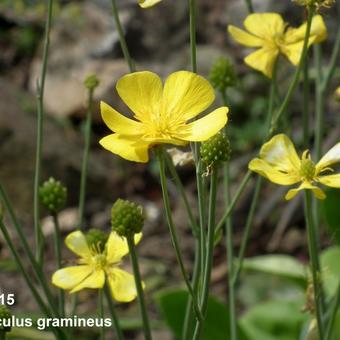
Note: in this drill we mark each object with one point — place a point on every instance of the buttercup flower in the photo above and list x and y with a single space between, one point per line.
161 115
96 264
280 164
269 32
148 3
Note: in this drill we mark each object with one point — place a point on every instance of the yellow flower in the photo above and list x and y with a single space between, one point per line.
161 115
148 3
96 265
268 31
280 164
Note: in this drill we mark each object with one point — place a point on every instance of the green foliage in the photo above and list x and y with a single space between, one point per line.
172 304
274 320
330 266
331 213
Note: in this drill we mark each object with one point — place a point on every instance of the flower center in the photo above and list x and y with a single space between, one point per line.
307 169
99 261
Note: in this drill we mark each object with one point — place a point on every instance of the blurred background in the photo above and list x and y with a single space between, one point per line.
84 41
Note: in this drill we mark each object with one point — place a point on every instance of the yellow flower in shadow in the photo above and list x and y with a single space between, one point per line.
269 32
279 163
161 114
97 265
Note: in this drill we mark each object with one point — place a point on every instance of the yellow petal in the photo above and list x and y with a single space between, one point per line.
206 127
148 3
70 277
263 60
141 92
129 147
95 280
281 154
318 193
294 37
117 122
76 242
244 38
117 247
330 158
265 25
330 180
268 171
186 94
122 285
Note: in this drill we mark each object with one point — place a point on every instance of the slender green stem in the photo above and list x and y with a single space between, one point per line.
192 14
249 6
113 314
334 310
101 312
57 246
179 185
314 261
121 35
306 99
189 315
210 252
139 287
296 78
22 268
333 62
27 249
233 202
173 231
246 234
39 238
85 161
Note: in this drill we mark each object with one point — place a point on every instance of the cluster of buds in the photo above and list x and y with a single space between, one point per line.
317 4
215 150
53 195
127 218
222 74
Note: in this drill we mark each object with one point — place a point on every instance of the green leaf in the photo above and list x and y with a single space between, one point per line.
280 265
172 304
330 267
274 320
331 213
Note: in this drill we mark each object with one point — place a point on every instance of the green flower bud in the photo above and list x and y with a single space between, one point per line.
52 195
4 314
222 74
216 149
97 239
127 218
91 82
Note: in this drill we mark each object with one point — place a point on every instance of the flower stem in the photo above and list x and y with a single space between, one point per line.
114 317
179 185
295 81
27 249
233 202
101 312
39 238
192 14
306 99
139 287
173 231
121 35
334 310
210 252
85 161
57 246
249 6
314 261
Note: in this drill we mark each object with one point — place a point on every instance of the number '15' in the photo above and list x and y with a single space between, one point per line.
7 299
